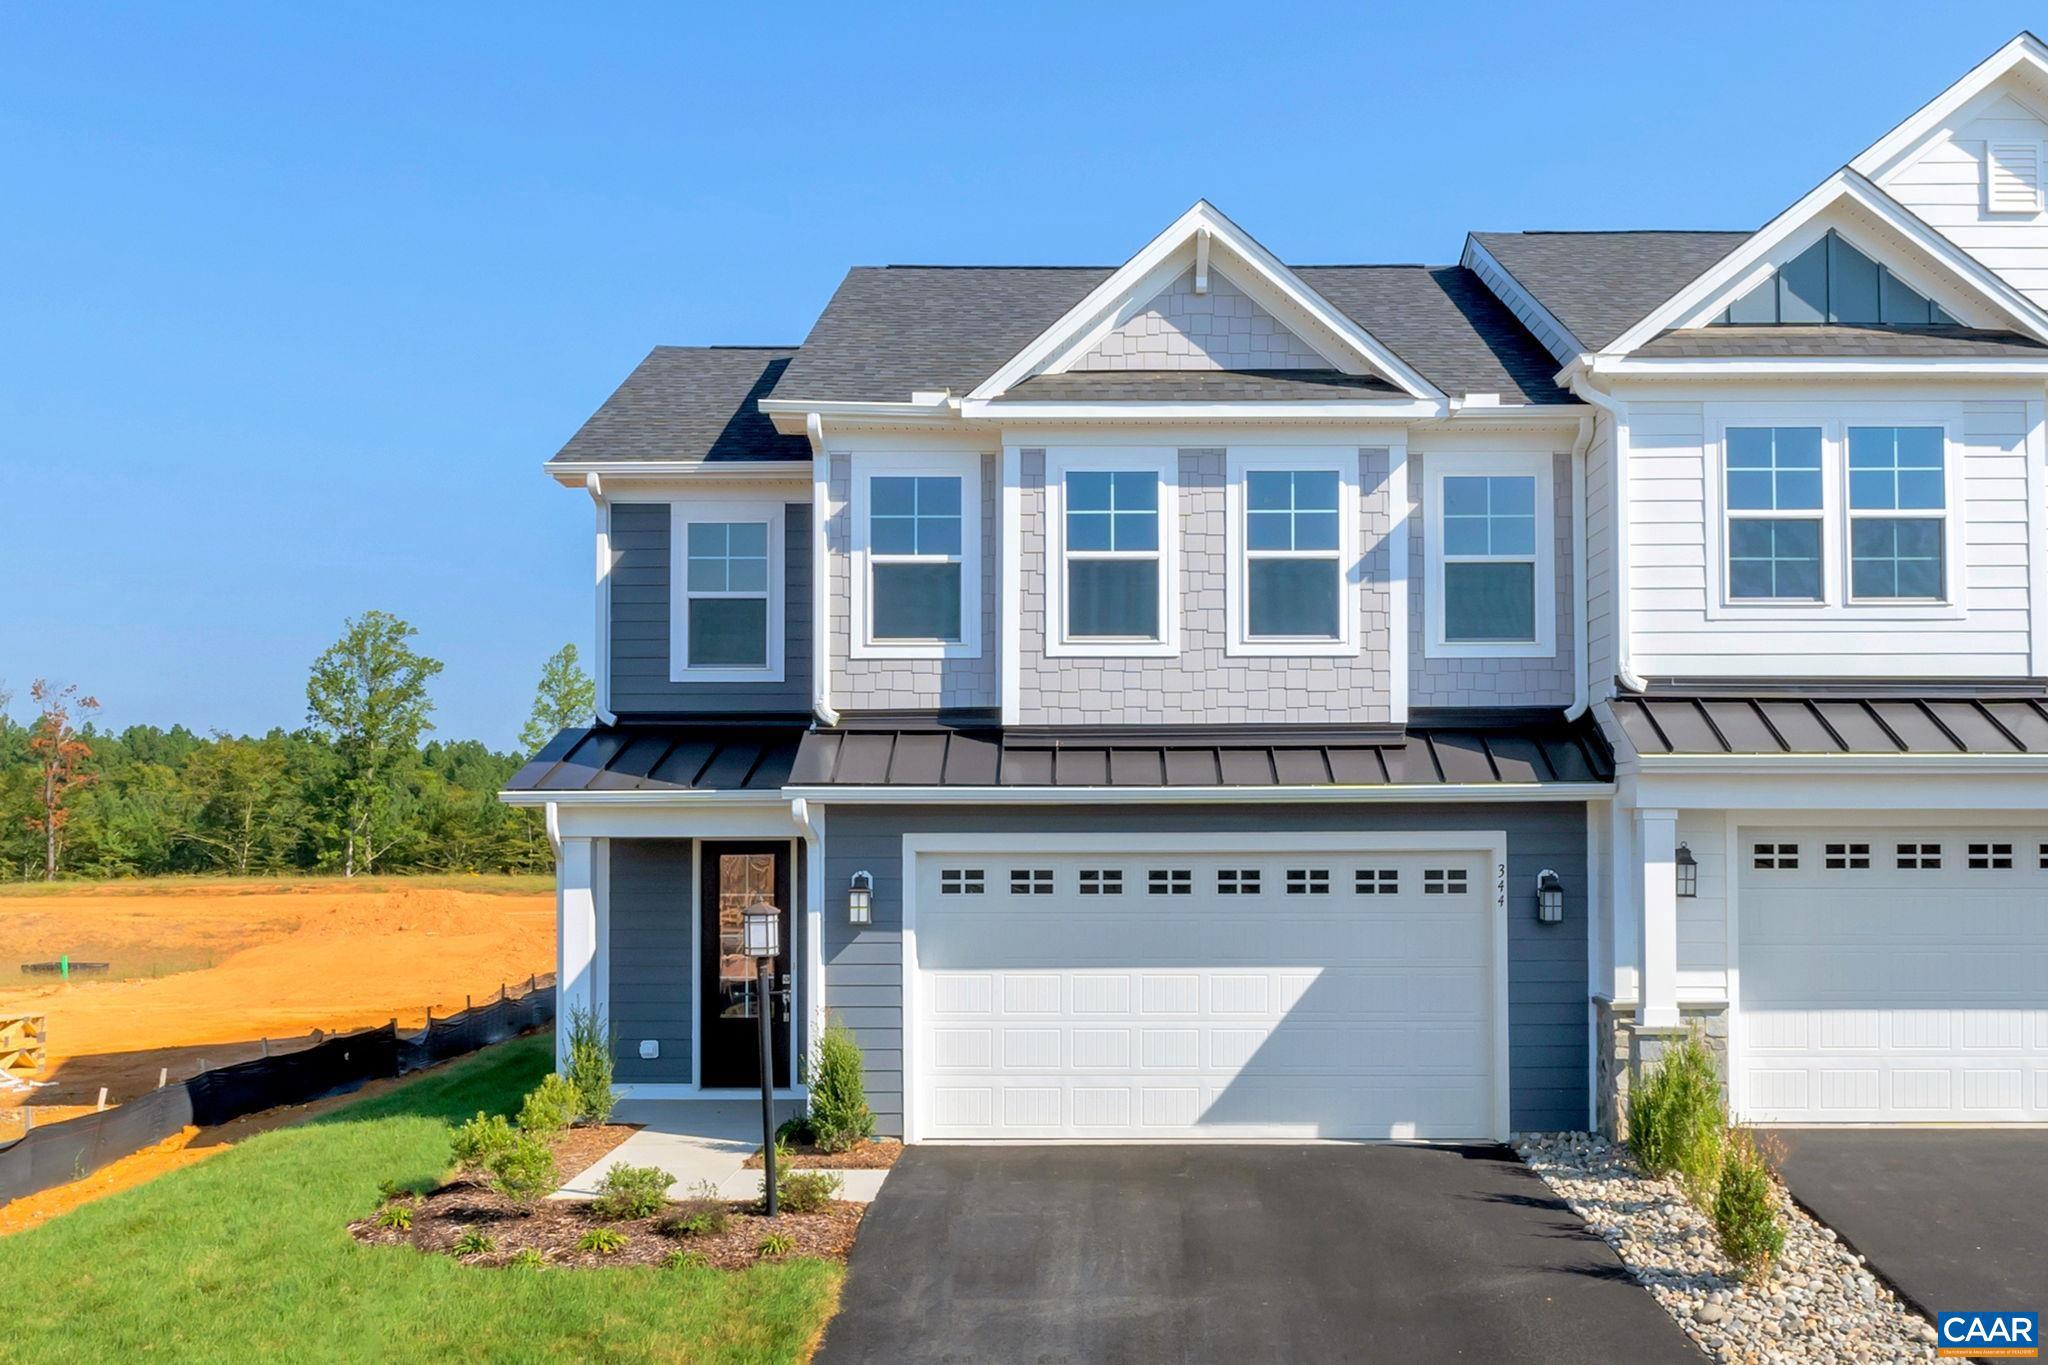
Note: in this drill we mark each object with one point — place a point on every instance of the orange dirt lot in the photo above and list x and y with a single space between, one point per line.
287 959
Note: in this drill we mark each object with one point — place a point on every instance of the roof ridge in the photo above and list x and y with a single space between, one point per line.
1615 232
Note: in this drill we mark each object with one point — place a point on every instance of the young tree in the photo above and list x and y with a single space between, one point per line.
59 754
235 786
368 693
567 697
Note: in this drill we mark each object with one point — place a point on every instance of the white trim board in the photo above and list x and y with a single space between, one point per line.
1493 843
712 508
863 467
1348 559
1060 462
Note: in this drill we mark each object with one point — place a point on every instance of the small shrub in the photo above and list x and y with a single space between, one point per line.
475 1243
395 1216
603 1241
795 1132
805 1191
840 1117
549 1108
528 1258
524 1171
776 1244
684 1260
590 1065
1676 1119
1746 1209
481 1139
631 1192
696 1220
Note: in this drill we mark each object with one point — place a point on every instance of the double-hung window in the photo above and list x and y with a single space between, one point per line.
1492 571
1776 514
725 608
1293 533
917 523
1110 555
1898 499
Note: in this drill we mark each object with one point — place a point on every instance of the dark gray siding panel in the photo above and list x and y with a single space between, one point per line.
652 994
640 621
1549 1031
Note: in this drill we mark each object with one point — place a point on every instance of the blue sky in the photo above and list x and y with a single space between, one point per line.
297 298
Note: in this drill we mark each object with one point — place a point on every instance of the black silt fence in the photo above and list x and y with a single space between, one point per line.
61 1152
477 1027
228 1092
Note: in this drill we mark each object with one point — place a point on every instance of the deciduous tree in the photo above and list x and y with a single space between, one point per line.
567 696
60 754
368 693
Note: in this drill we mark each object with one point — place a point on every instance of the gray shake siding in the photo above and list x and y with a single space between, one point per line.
914 684
651 927
640 588
652 924
1204 685
1490 682
1547 983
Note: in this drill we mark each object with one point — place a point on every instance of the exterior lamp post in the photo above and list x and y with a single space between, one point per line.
761 937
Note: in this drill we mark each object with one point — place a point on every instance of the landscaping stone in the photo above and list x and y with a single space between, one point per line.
1818 1303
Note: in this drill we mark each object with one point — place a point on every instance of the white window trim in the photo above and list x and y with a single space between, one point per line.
963 465
1439 465
682 514
1061 461
1834 421
1341 461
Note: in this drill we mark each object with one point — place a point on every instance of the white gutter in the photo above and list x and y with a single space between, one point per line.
572 474
601 666
1574 378
1581 694
821 572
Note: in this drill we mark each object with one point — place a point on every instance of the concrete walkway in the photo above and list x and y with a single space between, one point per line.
703 1142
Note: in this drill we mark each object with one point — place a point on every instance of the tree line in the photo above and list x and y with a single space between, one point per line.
359 788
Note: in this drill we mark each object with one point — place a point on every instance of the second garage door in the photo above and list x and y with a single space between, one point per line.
1894 975
1333 993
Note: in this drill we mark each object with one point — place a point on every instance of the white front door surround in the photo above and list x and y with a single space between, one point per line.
1300 986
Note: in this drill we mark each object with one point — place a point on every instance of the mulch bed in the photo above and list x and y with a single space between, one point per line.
876 1154
578 1149
554 1226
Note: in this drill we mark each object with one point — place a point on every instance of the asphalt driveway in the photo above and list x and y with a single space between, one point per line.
1058 1255
1954 1219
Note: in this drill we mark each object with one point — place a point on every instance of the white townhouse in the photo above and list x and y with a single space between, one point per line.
1210 698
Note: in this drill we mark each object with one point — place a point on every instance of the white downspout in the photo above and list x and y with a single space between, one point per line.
821 573
553 822
1581 696
1581 387
601 668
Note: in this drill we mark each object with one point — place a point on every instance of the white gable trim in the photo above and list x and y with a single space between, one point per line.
1158 264
2025 52
1543 324
1747 263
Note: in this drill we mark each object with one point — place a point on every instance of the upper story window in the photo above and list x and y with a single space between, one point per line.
725 604
1293 537
1832 282
1491 587
917 556
1110 552
1831 512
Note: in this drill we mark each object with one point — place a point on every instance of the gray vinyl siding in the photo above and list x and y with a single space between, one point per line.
1548 990
652 990
641 582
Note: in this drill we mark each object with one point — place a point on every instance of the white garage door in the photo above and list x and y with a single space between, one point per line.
1894 975
1184 995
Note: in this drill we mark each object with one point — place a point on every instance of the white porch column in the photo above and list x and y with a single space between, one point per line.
1657 894
575 938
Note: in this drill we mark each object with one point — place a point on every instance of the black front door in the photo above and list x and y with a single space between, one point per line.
735 876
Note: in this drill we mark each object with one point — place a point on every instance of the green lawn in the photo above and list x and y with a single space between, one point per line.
246 1256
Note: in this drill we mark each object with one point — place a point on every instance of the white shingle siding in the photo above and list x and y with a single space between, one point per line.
1672 635
1949 184
1223 329
1204 685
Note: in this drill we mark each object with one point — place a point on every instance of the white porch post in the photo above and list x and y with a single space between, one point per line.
575 938
1657 894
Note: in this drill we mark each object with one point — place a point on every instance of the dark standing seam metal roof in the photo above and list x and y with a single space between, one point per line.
1600 284
1538 753
1833 341
1833 723
892 330
662 758
690 403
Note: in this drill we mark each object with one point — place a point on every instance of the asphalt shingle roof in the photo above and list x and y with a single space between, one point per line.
1198 386
1825 342
1600 284
690 403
